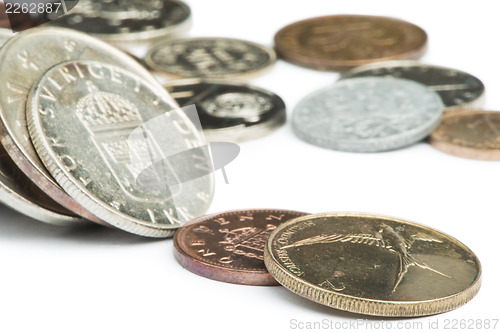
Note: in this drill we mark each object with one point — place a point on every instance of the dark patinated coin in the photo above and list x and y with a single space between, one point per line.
372 264
229 246
209 57
457 89
229 110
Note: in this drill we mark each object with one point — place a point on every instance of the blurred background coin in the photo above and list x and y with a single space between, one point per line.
471 134
209 58
368 114
128 23
230 110
229 246
340 42
120 125
372 264
457 89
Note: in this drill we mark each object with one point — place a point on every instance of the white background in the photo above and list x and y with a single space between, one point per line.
95 279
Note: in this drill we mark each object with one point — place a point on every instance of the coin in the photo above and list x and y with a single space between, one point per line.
133 22
24 58
340 42
457 89
368 114
471 134
230 110
115 157
372 264
20 194
229 246
5 35
209 58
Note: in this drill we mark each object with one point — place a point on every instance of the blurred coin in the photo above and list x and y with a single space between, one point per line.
229 246
470 133
372 264
20 194
93 125
209 58
230 110
368 114
24 58
5 35
340 42
128 22
457 89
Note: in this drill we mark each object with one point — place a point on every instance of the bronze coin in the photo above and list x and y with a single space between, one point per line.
340 42
471 134
229 246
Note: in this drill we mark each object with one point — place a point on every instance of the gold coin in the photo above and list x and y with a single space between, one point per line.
372 264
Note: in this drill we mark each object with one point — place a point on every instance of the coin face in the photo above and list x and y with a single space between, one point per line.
230 111
471 134
110 139
457 89
372 264
209 57
229 246
25 58
128 20
368 114
5 35
340 42
20 194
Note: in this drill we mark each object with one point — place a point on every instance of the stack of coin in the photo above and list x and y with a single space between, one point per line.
92 143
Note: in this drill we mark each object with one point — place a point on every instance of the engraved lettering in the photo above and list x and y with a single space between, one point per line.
221 221
245 218
85 181
69 162
203 229
271 217
54 142
206 252
65 74
47 94
197 243
225 260
96 71
27 60
20 91
48 112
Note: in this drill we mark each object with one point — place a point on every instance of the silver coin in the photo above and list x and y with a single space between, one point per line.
230 110
209 58
107 137
20 194
368 114
5 35
457 89
128 23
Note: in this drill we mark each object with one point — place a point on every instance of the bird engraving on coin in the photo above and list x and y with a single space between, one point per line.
385 237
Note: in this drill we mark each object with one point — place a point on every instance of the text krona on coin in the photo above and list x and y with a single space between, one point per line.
16 10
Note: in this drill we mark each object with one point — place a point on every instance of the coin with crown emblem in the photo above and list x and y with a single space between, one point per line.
25 58
229 246
112 141
372 264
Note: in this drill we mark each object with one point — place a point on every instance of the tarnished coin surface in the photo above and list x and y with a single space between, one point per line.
340 42
457 89
229 246
368 114
20 194
372 264
115 143
471 134
128 21
230 110
25 58
209 58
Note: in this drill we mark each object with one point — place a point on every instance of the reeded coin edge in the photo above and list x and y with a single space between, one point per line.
198 266
70 184
475 103
371 145
323 64
161 71
363 305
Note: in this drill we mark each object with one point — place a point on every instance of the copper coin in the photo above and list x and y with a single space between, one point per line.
229 246
470 134
340 42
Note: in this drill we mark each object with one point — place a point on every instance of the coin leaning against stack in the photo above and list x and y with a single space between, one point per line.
87 120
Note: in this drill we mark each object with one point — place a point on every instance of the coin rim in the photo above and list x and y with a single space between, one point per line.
362 305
